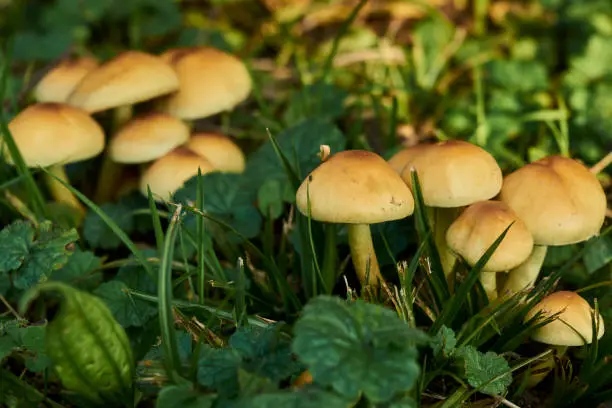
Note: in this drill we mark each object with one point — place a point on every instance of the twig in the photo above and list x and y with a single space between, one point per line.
507 403
602 164
10 308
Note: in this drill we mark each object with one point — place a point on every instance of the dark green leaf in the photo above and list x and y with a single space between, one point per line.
183 396
218 369
77 270
319 100
598 254
98 234
128 310
480 368
305 398
353 348
443 344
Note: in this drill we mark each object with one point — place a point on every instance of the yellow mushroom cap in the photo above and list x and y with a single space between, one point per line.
168 173
559 199
54 133
452 173
219 150
575 320
129 78
477 228
147 137
355 187
61 80
212 81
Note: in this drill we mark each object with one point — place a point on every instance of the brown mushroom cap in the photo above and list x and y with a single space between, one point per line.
559 199
168 173
60 81
575 320
54 133
452 173
129 78
219 150
477 228
355 187
147 137
212 81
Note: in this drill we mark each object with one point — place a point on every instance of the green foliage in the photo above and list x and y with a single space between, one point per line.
351 347
29 254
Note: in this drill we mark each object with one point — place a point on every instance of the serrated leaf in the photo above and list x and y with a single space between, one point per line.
6 346
77 270
98 234
218 369
353 347
265 351
480 368
300 144
518 75
127 310
227 198
304 398
183 396
444 342
30 254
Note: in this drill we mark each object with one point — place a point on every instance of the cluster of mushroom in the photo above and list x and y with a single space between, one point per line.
182 85
553 201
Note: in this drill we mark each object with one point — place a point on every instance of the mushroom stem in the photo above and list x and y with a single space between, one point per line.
440 219
489 283
110 171
540 370
59 192
330 258
362 252
526 274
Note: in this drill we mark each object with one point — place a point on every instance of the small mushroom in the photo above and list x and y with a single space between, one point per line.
61 80
572 327
119 83
357 188
219 150
478 227
560 201
168 173
211 82
452 174
54 134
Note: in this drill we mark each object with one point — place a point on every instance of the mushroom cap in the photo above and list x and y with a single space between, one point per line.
211 81
147 137
575 317
168 173
477 228
61 80
355 187
219 150
452 173
54 133
559 199
126 79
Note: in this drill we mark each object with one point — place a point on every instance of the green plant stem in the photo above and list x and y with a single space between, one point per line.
330 258
110 171
526 274
540 370
363 255
489 283
60 193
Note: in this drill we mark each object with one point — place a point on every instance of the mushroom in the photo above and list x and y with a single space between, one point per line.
168 173
211 82
357 188
119 83
572 326
61 80
560 201
219 150
54 134
478 227
452 175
